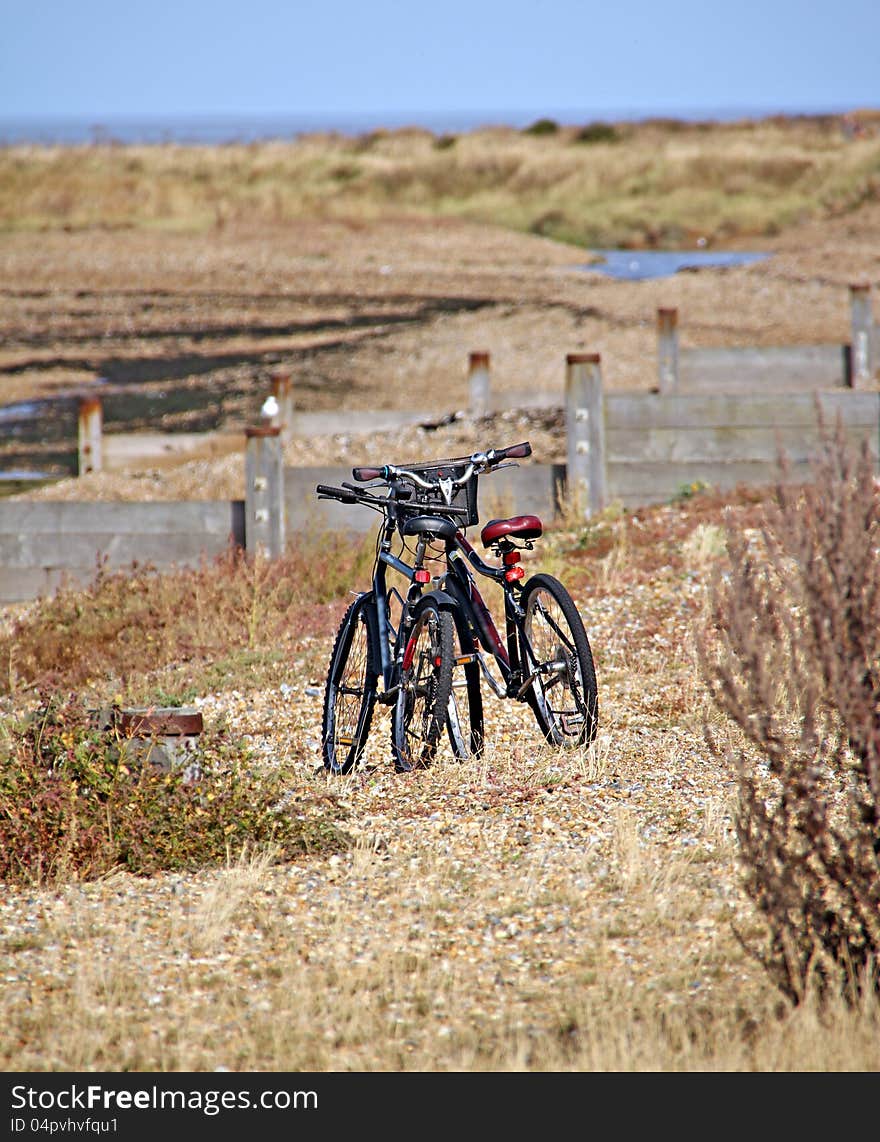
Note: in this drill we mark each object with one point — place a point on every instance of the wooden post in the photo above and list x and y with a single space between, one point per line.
667 350
862 370
478 383
264 491
283 419
585 429
91 424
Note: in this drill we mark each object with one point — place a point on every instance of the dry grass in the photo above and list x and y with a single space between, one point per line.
533 911
371 294
656 183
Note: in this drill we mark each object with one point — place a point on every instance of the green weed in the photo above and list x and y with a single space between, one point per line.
76 805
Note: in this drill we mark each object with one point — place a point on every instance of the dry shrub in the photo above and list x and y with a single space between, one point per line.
791 653
130 621
76 804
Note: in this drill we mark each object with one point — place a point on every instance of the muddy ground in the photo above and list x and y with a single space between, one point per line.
183 332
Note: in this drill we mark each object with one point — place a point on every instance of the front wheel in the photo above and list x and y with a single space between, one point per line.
557 661
350 690
425 687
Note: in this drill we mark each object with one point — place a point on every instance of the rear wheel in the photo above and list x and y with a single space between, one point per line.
350 690
558 661
425 686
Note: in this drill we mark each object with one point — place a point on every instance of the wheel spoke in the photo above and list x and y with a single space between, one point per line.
421 707
350 690
560 682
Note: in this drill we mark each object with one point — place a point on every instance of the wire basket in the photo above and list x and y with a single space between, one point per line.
432 502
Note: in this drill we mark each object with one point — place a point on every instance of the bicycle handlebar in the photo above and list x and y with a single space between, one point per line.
399 493
329 492
477 462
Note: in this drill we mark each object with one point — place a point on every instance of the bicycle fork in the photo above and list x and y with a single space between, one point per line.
397 646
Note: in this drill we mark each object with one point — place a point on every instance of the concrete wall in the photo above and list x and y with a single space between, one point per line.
770 368
43 544
655 444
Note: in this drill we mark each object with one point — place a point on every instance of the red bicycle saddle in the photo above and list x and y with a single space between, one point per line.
516 527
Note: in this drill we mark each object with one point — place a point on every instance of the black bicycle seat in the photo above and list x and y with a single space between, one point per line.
430 525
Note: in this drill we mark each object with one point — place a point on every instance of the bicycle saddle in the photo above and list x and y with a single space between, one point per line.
430 525
516 527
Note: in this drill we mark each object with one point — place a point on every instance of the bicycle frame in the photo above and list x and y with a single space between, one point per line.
459 589
461 585
392 642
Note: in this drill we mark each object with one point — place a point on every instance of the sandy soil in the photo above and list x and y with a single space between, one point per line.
362 317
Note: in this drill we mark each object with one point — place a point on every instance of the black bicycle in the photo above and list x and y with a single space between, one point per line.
427 651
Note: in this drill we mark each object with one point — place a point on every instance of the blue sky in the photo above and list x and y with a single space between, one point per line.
105 58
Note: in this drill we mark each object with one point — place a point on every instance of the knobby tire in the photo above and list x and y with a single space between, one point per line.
422 702
555 648
464 718
351 687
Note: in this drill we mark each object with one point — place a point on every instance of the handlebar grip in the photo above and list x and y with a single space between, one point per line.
516 451
336 493
362 474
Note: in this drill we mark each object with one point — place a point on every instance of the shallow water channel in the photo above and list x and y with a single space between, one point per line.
637 265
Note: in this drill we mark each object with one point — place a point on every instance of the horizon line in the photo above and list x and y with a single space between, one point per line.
671 111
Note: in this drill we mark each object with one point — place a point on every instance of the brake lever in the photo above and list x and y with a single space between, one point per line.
359 488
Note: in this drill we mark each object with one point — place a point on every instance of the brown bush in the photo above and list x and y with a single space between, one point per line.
130 621
76 804
791 653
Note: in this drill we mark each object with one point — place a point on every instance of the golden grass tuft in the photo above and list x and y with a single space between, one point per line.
656 183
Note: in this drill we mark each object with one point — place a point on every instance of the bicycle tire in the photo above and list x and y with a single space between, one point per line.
556 654
351 687
425 685
464 717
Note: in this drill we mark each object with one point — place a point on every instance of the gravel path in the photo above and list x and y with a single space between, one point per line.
491 903
487 915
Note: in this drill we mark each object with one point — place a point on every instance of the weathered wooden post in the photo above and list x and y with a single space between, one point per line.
585 430
861 335
264 491
667 350
166 736
91 426
283 393
478 383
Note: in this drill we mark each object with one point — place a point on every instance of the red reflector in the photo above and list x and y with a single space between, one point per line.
513 574
422 576
438 661
511 557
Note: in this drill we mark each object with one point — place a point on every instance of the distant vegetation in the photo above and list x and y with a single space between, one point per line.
659 183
